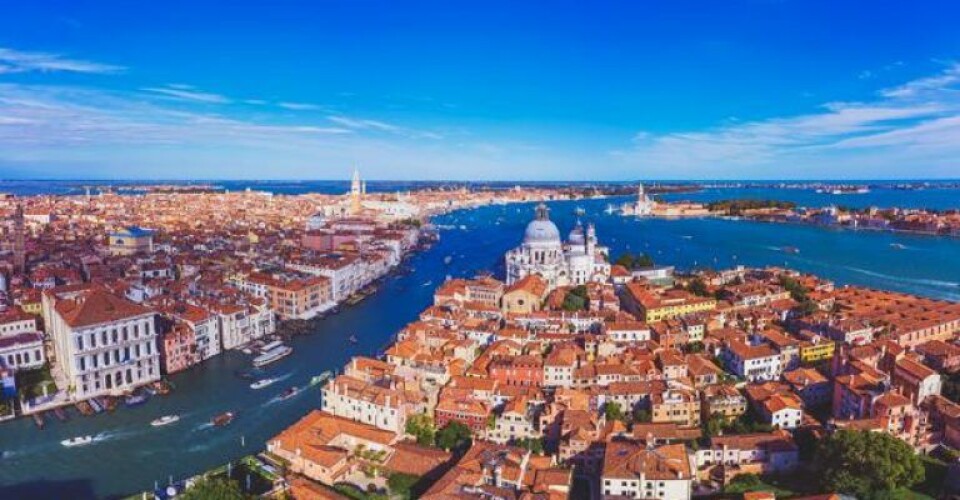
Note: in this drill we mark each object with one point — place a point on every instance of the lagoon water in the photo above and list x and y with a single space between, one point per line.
131 456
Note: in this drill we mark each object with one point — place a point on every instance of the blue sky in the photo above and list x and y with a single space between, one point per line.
558 90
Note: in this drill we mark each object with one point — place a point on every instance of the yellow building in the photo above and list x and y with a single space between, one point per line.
681 407
812 352
525 296
653 307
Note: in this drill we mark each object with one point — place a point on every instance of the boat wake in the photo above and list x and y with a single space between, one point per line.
916 281
279 398
202 427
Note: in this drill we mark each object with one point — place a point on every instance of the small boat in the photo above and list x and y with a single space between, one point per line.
38 421
898 246
323 377
165 420
260 384
136 399
272 355
448 259
788 249
579 211
95 404
289 393
353 339
60 414
222 419
77 441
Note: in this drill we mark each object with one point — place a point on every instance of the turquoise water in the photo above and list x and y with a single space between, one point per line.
132 455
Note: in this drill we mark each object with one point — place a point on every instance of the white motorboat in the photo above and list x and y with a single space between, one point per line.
165 420
264 382
77 441
272 355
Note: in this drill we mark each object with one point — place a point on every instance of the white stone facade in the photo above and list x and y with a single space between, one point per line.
577 262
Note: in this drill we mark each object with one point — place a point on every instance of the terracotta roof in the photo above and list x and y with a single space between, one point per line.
98 306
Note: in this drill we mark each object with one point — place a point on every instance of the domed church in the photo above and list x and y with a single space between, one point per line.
576 262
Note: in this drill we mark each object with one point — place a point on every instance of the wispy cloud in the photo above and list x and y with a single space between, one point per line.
17 61
380 126
63 117
918 121
299 106
187 93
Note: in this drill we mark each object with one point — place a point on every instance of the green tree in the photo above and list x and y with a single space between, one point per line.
613 411
642 416
631 261
214 488
696 286
867 464
625 260
742 483
453 436
421 427
643 260
402 484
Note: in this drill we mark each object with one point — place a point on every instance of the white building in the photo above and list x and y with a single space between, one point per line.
104 344
382 407
577 262
205 326
241 324
758 363
633 471
22 351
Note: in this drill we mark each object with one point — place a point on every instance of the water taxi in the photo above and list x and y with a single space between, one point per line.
222 419
165 420
289 393
77 441
260 384
272 352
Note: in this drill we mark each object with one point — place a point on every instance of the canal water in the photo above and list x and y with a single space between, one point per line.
130 456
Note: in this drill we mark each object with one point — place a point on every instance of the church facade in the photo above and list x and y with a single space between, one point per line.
578 261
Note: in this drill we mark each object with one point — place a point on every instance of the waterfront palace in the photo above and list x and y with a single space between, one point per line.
579 261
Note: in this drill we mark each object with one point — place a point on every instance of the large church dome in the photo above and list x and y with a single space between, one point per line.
541 229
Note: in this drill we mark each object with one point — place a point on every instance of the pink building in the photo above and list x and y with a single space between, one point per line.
179 349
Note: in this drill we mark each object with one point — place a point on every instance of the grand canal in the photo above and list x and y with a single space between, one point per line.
131 456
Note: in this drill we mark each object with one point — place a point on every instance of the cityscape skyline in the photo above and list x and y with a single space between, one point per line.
752 90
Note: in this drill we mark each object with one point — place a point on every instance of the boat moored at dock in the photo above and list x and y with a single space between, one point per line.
272 355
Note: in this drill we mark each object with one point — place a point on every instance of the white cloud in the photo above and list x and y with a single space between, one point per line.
187 93
299 106
16 61
916 122
380 126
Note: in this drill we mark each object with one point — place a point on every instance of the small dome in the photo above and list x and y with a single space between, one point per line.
541 229
576 235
